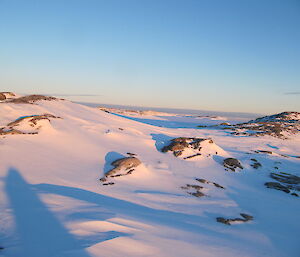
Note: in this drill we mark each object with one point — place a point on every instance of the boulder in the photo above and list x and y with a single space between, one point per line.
2 97
232 163
179 144
126 164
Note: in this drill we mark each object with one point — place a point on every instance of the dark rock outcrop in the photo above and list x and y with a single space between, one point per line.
2 97
204 181
126 164
196 188
288 182
277 186
277 125
255 164
178 145
122 167
263 151
245 218
29 99
232 164
286 178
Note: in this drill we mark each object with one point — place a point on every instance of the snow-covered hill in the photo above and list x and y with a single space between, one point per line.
77 181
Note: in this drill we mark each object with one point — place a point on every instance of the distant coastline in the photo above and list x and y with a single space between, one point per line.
241 115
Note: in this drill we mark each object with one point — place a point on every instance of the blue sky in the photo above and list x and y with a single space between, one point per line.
233 55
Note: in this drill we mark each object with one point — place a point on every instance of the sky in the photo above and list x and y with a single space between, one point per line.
233 55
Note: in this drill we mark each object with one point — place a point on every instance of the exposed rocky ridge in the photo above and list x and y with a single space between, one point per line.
286 182
283 116
278 125
29 99
32 121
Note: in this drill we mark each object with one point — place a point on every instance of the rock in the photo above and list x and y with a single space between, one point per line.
197 194
197 189
201 180
223 220
178 145
2 97
125 164
264 151
286 178
31 99
204 181
232 163
177 153
108 184
4 132
122 167
273 125
245 218
277 186
218 185
32 119
192 156
175 146
255 164
131 154
287 182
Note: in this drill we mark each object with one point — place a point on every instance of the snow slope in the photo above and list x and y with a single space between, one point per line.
53 204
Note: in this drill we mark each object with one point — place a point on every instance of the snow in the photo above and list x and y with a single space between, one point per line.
53 204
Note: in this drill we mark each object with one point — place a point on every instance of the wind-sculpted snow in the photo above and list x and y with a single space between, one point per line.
53 204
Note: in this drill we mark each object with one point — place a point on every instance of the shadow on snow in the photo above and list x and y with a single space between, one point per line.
39 231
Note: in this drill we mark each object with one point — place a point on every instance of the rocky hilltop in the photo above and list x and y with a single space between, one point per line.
281 125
